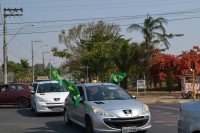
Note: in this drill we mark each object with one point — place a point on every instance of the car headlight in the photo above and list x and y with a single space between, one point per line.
39 99
101 112
145 109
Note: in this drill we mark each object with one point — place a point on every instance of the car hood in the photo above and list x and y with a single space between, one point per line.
191 106
53 97
119 107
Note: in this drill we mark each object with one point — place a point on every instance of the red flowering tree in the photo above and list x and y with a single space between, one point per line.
166 67
192 55
170 68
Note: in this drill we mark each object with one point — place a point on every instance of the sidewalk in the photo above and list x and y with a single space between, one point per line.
158 97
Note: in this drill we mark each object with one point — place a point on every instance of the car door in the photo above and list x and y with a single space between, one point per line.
33 93
78 112
15 91
3 95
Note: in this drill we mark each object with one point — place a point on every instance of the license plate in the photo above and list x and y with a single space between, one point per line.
57 109
129 129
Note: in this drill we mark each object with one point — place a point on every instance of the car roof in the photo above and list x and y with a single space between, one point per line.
45 82
14 84
94 84
40 80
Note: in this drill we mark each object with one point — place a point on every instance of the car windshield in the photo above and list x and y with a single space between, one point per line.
50 87
106 92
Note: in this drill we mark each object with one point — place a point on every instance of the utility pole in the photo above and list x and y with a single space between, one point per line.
87 73
33 71
8 12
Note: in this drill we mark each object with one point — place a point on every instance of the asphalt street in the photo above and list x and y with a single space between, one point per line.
16 120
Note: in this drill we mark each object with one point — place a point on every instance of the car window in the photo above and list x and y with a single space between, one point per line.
31 88
106 92
3 88
13 88
16 88
50 87
20 88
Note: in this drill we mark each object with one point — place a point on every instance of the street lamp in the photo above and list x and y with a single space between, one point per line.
5 50
50 68
33 71
43 58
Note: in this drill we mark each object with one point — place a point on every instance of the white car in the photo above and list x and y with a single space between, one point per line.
189 117
48 96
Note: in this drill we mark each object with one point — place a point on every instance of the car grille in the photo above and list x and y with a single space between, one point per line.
55 108
126 122
54 103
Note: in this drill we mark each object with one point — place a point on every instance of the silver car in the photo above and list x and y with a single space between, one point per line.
106 107
189 117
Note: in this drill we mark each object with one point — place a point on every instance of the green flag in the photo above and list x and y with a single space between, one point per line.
55 75
116 78
73 90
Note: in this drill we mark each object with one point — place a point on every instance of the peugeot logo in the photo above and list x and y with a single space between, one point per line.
57 99
127 112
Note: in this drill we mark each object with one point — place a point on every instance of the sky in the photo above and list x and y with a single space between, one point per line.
52 16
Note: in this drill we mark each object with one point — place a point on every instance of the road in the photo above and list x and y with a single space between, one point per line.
164 118
16 120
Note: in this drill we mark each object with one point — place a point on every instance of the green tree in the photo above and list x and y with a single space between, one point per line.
125 57
20 70
154 33
88 45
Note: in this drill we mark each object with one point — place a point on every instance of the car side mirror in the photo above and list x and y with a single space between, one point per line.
33 92
81 99
134 97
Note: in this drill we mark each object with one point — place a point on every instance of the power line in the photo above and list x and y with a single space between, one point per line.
192 11
38 32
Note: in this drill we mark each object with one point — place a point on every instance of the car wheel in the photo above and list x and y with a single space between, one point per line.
36 112
32 107
89 126
22 103
185 96
198 96
66 118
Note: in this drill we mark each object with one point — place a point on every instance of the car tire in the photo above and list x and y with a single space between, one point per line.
89 125
198 96
185 96
188 95
32 107
36 112
66 118
23 103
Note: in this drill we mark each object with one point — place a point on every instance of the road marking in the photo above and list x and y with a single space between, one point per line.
172 108
157 110
168 113
171 125
159 121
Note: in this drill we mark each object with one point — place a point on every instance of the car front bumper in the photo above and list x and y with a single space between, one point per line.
49 107
115 125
